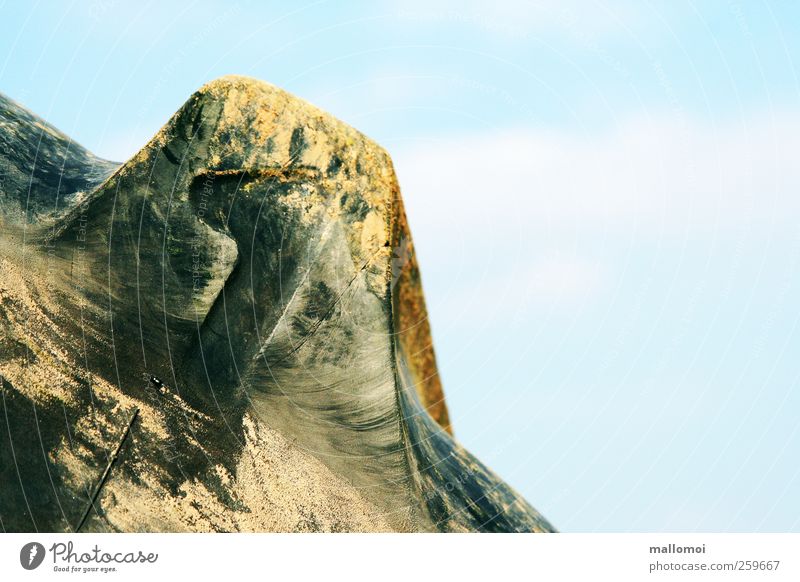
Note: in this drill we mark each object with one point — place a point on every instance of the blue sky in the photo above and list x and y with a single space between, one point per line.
604 199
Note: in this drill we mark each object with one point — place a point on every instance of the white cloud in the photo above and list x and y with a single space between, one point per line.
554 280
656 174
509 221
557 277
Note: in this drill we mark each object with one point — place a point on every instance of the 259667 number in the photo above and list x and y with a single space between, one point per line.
768 565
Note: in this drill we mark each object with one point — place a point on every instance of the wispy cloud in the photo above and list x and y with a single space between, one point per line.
507 222
652 173
553 281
